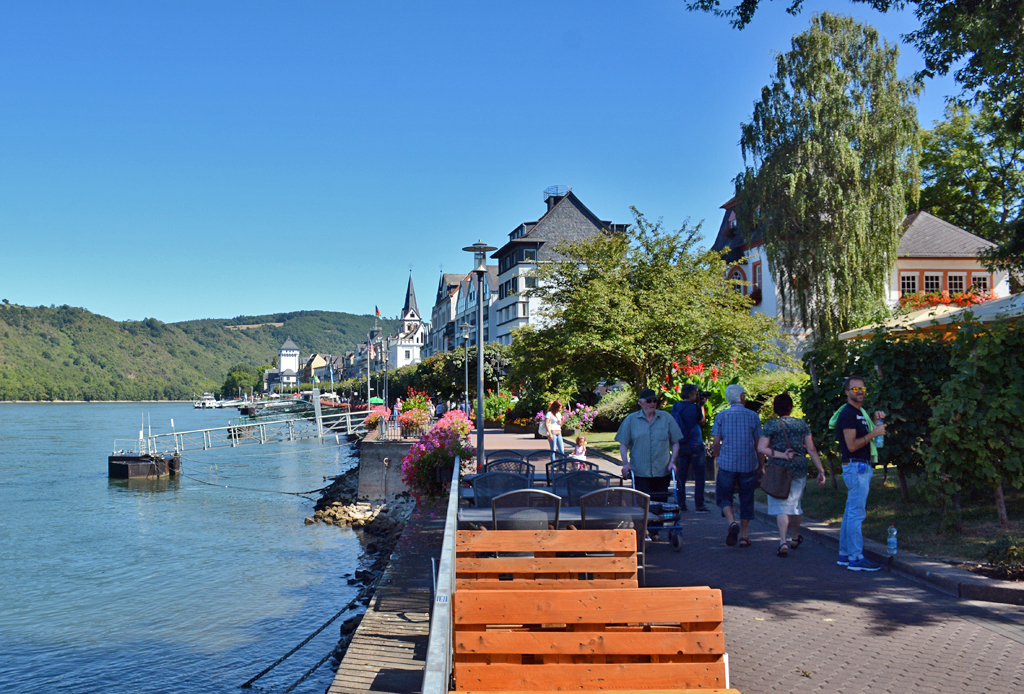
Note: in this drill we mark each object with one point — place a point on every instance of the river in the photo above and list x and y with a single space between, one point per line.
190 584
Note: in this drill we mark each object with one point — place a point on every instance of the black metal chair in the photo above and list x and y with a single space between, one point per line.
574 485
618 507
504 454
517 466
564 466
491 484
525 509
538 456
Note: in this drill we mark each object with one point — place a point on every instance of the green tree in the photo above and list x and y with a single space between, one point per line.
973 172
832 165
626 305
982 39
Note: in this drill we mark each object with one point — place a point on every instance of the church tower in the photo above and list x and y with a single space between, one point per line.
410 312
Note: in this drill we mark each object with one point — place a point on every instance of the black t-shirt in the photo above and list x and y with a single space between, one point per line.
852 418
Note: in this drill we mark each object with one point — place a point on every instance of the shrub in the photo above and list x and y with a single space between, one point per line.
497 406
416 400
581 417
435 451
613 408
1006 559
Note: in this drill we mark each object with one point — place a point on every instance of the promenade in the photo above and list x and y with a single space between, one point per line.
803 624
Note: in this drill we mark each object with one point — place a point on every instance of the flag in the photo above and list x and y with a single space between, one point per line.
316 380
378 311
373 352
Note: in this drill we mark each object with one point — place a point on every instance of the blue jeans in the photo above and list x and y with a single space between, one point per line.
691 456
729 483
851 540
556 445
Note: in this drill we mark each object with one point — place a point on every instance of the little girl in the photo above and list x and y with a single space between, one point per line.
580 452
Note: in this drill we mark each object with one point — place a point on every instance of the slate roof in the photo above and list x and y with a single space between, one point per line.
288 344
448 283
567 220
927 236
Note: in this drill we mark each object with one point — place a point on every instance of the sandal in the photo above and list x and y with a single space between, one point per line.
783 550
734 532
794 544
744 542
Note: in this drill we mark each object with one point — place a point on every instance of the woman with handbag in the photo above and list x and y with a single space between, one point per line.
787 442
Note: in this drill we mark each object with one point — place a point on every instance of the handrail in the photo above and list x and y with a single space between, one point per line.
437 672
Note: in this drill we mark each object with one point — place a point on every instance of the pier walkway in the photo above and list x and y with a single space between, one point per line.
800 624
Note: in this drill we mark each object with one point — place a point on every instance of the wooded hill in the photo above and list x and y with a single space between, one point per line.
65 353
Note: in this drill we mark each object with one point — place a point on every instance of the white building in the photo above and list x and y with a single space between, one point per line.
933 256
407 346
530 244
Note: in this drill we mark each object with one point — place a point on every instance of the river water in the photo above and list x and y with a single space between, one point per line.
192 584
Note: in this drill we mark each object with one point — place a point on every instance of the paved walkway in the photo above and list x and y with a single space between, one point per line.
803 624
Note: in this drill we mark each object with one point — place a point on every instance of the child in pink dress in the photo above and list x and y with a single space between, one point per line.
580 452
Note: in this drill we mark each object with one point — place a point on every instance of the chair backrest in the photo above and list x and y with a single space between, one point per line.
564 466
616 507
525 509
492 484
504 454
516 465
573 486
538 456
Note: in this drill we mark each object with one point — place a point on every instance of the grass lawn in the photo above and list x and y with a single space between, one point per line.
604 441
917 521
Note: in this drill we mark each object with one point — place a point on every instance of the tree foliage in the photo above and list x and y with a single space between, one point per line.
977 440
982 39
626 305
831 156
973 172
444 375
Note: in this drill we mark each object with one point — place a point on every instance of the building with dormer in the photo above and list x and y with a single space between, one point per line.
407 346
531 244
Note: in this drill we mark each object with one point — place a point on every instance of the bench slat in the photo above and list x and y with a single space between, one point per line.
543 583
550 540
552 676
590 643
666 605
532 565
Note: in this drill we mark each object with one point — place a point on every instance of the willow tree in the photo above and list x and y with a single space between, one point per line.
831 169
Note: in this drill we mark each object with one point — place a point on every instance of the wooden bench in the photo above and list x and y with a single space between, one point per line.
560 559
650 639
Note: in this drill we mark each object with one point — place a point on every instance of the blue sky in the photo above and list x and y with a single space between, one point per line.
206 160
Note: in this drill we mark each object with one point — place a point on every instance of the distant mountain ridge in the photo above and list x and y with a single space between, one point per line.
67 353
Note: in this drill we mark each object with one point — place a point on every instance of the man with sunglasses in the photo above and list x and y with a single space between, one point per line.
649 445
855 445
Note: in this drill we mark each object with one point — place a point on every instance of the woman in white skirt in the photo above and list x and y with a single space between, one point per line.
787 442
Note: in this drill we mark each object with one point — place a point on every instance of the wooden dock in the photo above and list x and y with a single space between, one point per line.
388 650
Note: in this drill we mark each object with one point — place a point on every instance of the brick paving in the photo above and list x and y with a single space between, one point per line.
803 624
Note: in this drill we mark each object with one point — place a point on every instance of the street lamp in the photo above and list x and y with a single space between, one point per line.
479 251
465 342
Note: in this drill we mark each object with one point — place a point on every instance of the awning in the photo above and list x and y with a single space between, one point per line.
943 318
376 401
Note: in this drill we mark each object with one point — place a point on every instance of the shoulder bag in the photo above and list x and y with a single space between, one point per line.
542 428
777 480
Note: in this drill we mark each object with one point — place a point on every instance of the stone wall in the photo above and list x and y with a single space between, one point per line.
380 469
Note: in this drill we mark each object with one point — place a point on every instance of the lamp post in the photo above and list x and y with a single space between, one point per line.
480 251
465 343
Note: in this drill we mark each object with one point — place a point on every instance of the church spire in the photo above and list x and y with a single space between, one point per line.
410 302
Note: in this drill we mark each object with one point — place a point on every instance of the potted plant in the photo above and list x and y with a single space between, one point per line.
430 462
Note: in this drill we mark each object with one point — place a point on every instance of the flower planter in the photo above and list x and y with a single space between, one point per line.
518 429
493 424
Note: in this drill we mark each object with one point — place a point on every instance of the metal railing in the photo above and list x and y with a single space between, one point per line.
437 673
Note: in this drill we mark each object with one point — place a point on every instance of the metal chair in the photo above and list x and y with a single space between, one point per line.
525 509
618 507
564 466
537 456
514 465
504 454
491 484
574 485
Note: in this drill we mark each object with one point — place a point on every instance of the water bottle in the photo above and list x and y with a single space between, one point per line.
880 439
890 545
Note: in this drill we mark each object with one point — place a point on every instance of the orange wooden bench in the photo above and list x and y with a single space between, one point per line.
648 639
560 559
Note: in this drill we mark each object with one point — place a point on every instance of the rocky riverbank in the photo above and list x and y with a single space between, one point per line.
379 525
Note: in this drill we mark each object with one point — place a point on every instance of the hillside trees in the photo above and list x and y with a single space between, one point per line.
625 306
831 153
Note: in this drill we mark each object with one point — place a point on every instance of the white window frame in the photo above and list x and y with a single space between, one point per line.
906 278
950 276
936 277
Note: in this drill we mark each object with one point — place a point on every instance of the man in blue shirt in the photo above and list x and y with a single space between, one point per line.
690 416
736 431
